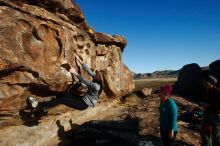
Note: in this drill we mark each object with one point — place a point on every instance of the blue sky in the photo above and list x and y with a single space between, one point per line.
161 34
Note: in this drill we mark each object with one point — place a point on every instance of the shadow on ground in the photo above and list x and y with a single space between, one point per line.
106 133
29 118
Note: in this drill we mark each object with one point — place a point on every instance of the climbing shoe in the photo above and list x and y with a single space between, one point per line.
33 102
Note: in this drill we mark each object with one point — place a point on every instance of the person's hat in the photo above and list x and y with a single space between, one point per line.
167 90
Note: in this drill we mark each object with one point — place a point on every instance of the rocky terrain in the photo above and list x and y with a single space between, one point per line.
133 121
39 42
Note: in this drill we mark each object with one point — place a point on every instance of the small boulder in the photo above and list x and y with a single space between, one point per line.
144 92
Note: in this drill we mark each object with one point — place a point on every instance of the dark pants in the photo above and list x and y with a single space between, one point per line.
67 99
167 141
211 136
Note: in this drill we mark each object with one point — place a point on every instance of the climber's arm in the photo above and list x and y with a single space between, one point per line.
81 79
85 67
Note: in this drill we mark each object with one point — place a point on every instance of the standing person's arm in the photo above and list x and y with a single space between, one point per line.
173 118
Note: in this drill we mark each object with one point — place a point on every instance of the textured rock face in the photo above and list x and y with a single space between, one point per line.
39 39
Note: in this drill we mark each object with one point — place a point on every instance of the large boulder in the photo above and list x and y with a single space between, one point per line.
39 40
189 82
215 70
37 46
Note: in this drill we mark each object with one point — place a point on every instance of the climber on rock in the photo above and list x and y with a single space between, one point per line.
89 99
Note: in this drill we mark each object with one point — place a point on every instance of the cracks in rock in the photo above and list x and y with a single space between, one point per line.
87 51
2 3
35 74
118 44
43 19
5 73
10 6
41 90
36 16
55 7
66 66
35 34
60 44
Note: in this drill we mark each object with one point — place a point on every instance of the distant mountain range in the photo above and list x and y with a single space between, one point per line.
157 74
160 74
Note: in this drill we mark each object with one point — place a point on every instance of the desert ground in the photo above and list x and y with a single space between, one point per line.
131 120
134 107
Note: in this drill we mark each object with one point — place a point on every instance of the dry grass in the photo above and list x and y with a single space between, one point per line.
153 83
